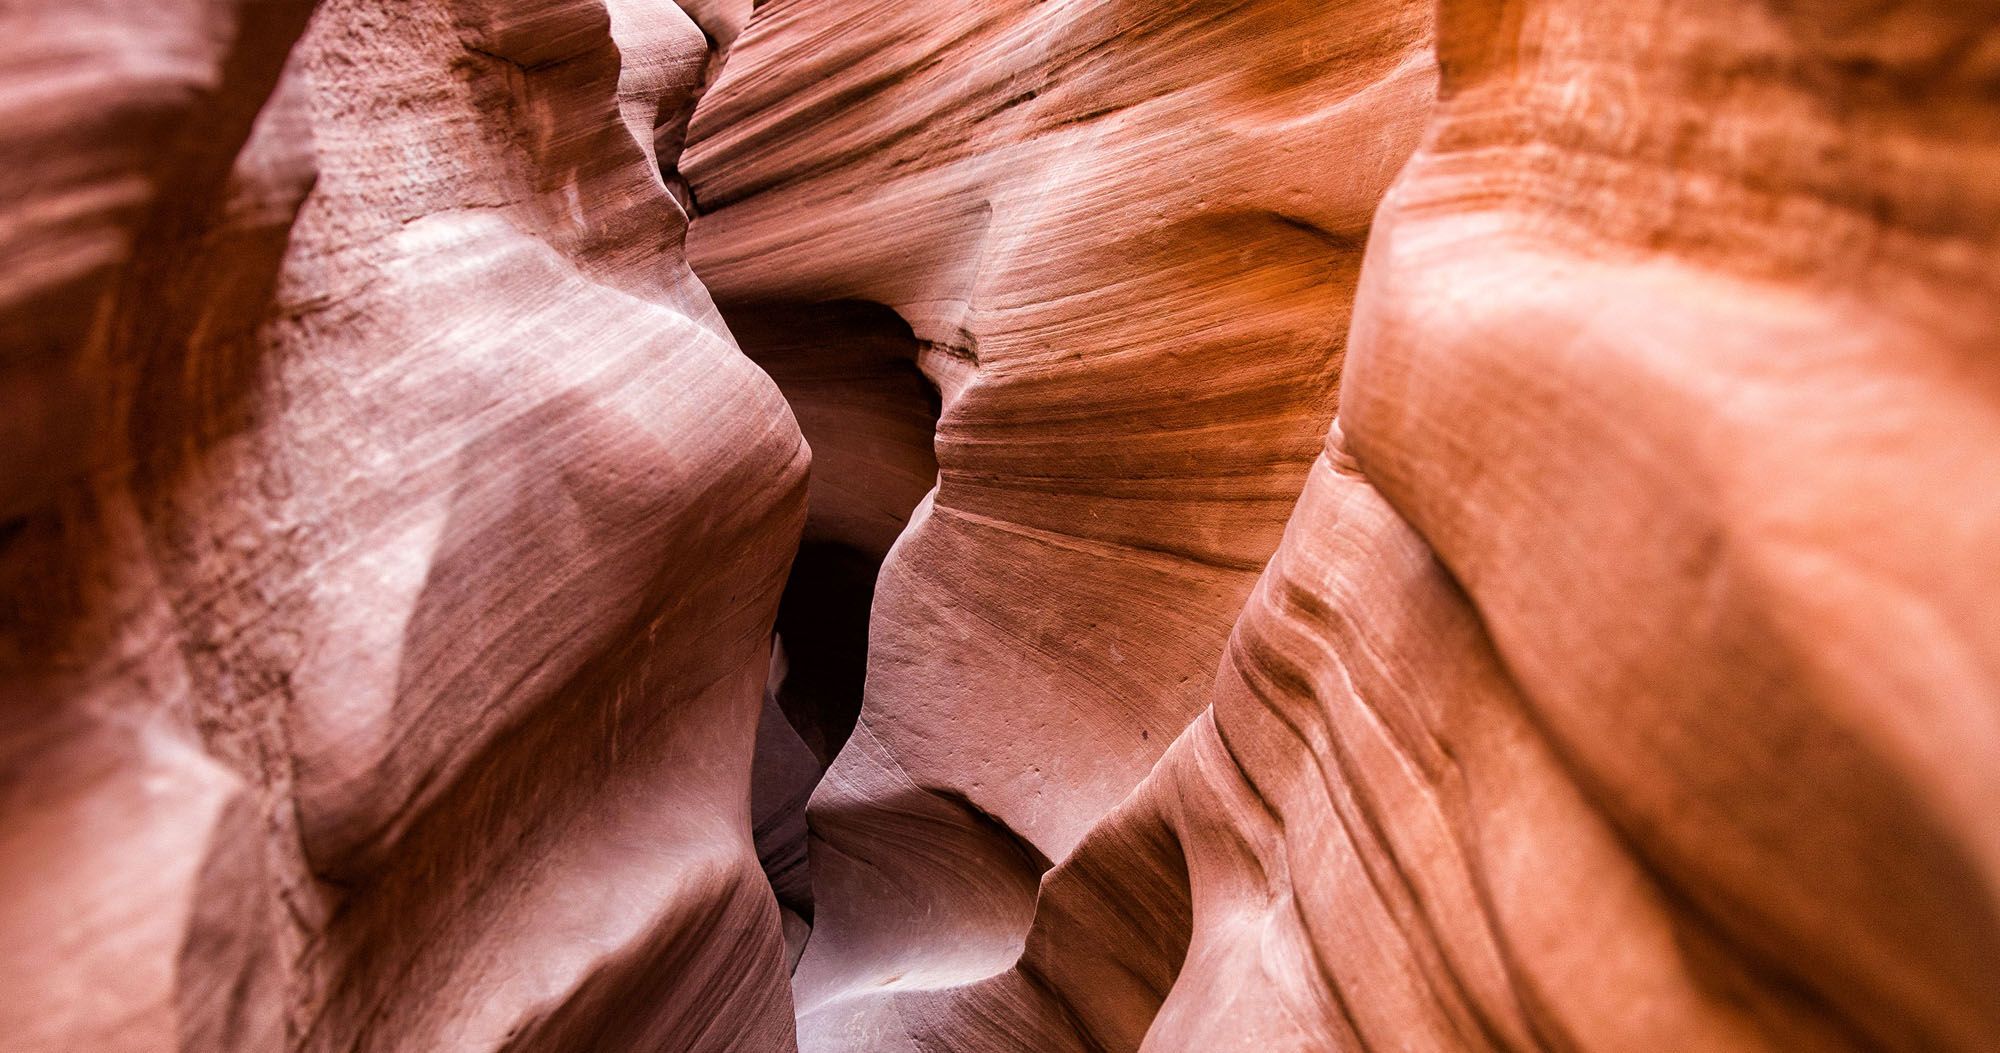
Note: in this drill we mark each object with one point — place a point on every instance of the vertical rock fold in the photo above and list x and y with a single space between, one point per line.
1031 526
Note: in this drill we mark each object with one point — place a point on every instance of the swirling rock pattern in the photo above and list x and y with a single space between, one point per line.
389 662
133 892
1713 470
1625 678
1364 525
1123 239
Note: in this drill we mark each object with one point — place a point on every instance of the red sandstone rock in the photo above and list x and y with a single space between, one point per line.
388 668
1715 468
1670 345
134 898
1124 239
392 536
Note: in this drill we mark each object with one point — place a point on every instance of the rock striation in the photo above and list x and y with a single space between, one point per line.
1105 232
1670 346
1623 679
390 590
1161 525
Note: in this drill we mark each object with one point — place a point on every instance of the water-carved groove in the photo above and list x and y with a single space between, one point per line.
771 525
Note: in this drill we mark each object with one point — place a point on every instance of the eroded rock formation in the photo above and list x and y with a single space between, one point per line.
1623 680
385 664
420 628
1130 285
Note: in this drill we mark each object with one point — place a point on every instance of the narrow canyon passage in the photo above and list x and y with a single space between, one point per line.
999 526
849 371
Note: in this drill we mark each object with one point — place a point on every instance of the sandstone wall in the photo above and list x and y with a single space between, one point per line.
1380 524
1625 676
390 591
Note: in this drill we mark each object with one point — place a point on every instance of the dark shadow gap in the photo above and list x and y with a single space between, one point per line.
849 371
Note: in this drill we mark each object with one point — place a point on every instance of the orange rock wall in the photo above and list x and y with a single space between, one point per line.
1364 525
1125 240
1624 678
386 660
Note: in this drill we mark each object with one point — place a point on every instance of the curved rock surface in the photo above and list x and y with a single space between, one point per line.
387 660
1623 680
420 630
1123 263
1672 345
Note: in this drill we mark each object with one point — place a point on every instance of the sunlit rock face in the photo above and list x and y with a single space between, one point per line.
390 591
1121 241
1381 524
1674 346
1625 678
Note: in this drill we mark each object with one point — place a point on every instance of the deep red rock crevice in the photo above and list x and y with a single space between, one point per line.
855 526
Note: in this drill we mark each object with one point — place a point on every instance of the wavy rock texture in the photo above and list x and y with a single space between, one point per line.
1672 344
1121 240
1624 679
390 588
132 889
402 646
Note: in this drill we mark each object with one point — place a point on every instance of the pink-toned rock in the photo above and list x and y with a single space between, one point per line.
402 646
134 900
389 666
1123 241
1625 679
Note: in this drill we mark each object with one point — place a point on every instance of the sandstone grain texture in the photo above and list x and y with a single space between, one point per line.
1382 524
1673 344
1625 678
389 653
1122 240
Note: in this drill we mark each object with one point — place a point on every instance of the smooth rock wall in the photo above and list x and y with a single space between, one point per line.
390 589
136 905
1626 676
1382 524
1673 344
1124 238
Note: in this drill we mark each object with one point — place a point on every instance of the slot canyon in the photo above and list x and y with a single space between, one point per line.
1000 526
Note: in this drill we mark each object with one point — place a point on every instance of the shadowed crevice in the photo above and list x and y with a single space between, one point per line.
849 371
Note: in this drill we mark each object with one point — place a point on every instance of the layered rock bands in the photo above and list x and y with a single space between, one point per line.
1160 525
